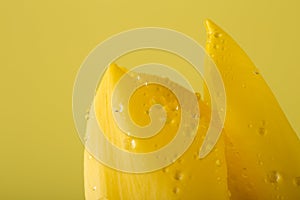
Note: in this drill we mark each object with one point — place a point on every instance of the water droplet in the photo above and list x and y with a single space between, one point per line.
262 131
90 157
146 84
218 163
178 176
217 35
180 160
244 175
176 190
260 162
120 108
138 77
273 177
94 188
218 178
297 181
196 156
256 72
132 144
86 138
165 170
173 121
216 46
196 116
243 85
128 143
250 125
87 114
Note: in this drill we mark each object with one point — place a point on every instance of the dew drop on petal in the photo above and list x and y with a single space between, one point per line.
297 181
273 177
176 190
178 176
94 188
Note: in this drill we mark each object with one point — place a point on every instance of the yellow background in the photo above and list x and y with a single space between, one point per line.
43 44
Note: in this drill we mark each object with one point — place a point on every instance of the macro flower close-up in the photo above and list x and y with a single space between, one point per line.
150 100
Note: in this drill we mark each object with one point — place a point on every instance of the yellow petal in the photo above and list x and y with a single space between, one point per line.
187 178
262 150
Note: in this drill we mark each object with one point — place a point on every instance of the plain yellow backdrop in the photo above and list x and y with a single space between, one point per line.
43 44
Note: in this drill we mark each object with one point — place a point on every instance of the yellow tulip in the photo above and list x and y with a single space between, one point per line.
256 157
